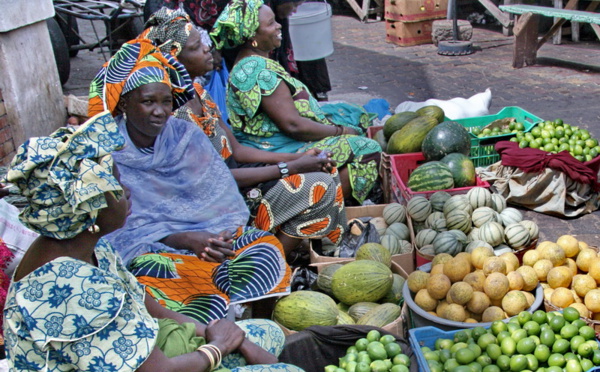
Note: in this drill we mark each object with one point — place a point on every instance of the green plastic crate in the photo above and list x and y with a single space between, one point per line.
483 152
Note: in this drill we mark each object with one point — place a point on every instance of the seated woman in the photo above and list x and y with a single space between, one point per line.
185 238
271 200
72 305
270 110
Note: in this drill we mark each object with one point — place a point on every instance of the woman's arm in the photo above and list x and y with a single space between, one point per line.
160 312
279 106
247 154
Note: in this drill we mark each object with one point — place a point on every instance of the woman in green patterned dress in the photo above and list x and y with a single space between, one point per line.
269 115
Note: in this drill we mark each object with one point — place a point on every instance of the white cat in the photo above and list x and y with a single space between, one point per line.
455 108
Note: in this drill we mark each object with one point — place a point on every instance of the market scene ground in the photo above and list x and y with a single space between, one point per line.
564 84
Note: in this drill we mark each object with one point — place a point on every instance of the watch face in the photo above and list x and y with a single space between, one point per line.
284 171
282 165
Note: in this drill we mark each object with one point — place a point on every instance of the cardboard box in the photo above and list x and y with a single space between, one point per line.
408 33
415 10
406 261
397 327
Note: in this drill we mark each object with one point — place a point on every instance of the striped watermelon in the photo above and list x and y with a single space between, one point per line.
533 228
458 219
439 225
462 169
394 212
491 233
430 176
482 215
419 208
458 202
447 242
479 197
425 237
517 236
399 230
510 216
432 218
498 203
438 199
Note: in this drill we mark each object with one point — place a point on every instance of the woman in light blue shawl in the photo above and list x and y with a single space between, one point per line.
184 238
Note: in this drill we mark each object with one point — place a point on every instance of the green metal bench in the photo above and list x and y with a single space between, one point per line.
526 26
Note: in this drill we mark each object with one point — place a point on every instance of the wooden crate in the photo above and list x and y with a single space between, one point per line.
408 33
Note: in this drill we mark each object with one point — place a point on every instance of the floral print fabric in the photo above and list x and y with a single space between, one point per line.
68 314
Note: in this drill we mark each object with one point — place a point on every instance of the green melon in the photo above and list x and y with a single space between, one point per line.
344 318
405 247
510 216
431 176
498 202
437 200
394 212
380 138
418 208
391 243
447 242
439 225
361 281
462 169
479 197
425 237
458 219
324 277
381 315
533 228
459 201
394 296
375 252
444 139
303 309
361 308
399 230
433 111
491 233
482 215
409 138
397 122
517 236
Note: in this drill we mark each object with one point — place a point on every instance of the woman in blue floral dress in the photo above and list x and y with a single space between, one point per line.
72 305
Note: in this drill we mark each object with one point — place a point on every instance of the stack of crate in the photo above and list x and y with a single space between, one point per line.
409 22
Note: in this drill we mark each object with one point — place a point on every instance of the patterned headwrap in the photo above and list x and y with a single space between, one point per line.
236 24
168 29
64 176
138 63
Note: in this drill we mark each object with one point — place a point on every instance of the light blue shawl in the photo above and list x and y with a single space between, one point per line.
183 186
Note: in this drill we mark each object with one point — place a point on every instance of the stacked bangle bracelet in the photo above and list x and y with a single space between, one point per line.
215 361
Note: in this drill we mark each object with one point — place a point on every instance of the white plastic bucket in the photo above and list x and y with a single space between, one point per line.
310 31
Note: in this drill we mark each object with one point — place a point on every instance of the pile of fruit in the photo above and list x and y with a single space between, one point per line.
550 342
569 272
510 126
366 291
556 136
374 353
473 287
453 224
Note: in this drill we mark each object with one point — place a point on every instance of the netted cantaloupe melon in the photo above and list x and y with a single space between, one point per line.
374 252
361 280
303 309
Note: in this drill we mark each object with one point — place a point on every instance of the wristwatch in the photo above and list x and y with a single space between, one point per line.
283 169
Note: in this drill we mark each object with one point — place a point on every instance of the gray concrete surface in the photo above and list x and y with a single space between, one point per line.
362 58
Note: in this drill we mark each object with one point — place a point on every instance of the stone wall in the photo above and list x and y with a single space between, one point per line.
7 144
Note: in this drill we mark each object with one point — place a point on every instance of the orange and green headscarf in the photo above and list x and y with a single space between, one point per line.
236 24
138 63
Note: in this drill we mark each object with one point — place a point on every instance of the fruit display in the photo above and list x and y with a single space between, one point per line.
364 292
472 287
446 138
498 127
404 132
556 136
569 272
373 353
452 224
542 341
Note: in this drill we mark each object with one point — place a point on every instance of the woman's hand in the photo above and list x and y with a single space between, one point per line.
225 335
207 246
311 162
220 248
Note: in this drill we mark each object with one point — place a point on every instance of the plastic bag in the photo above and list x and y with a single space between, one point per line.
351 242
303 279
217 87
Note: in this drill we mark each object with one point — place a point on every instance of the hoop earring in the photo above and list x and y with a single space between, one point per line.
94 229
254 44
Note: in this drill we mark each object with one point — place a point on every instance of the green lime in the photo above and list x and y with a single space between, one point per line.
485 340
373 335
535 339
457 346
450 364
554 369
547 337
401 368
569 356
445 344
351 366
532 327
573 366
518 363
364 358
493 351
388 363
593 344
331 368
525 346
361 344
508 346
542 353
586 364
362 367
568 331
519 126
596 357
392 349
465 356
532 362
461 336
585 350
570 314
579 323
491 368
576 341
518 334
502 335
561 346
536 131
386 339
587 332
539 316
378 365
503 362
475 348
513 326
352 357
376 351
401 359
444 355
478 332
557 360
462 369
484 360
498 326
352 349
432 364
556 323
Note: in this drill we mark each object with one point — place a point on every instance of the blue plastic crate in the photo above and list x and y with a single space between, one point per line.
426 336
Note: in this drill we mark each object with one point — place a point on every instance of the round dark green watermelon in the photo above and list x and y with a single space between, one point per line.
462 169
446 138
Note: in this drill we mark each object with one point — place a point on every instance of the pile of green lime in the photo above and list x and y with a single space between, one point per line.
538 342
374 353
482 132
556 136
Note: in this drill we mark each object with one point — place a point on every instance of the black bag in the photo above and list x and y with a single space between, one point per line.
350 242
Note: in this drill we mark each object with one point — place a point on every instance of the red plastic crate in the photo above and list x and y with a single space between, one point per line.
403 165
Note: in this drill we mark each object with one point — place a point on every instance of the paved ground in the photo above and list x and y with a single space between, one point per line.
362 58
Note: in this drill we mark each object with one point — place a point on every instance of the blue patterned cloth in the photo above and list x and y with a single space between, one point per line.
68 314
